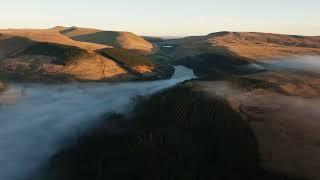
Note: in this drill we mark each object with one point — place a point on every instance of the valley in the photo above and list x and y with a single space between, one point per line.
244 108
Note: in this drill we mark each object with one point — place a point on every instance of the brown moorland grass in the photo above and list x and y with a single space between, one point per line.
250 45
39 53
124 40
51 36
35 54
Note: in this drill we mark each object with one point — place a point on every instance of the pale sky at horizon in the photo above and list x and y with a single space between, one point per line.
166 17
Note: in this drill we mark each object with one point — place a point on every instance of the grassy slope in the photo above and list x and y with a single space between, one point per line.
265 45
127 58
138 64
51 36
130 50
36 54
54 53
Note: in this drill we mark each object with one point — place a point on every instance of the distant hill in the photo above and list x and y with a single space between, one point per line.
153 39
223 53
123 40
51 36
250 45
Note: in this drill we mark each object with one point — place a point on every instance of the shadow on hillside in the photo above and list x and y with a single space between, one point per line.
105 37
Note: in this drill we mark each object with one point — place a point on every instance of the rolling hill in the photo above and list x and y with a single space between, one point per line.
51 36
251 45
48 55
222 52
123 40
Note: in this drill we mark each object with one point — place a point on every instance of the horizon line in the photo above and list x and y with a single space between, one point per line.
158 36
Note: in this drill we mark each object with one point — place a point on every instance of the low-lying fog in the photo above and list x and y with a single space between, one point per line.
35 120
304 63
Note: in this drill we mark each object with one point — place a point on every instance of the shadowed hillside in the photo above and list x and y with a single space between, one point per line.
184 133
188 137
138 64
64 54
235 128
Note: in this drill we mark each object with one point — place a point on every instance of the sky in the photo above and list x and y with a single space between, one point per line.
166 17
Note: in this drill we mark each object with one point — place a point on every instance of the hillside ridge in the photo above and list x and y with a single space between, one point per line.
119 39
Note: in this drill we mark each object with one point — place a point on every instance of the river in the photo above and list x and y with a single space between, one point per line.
36 119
